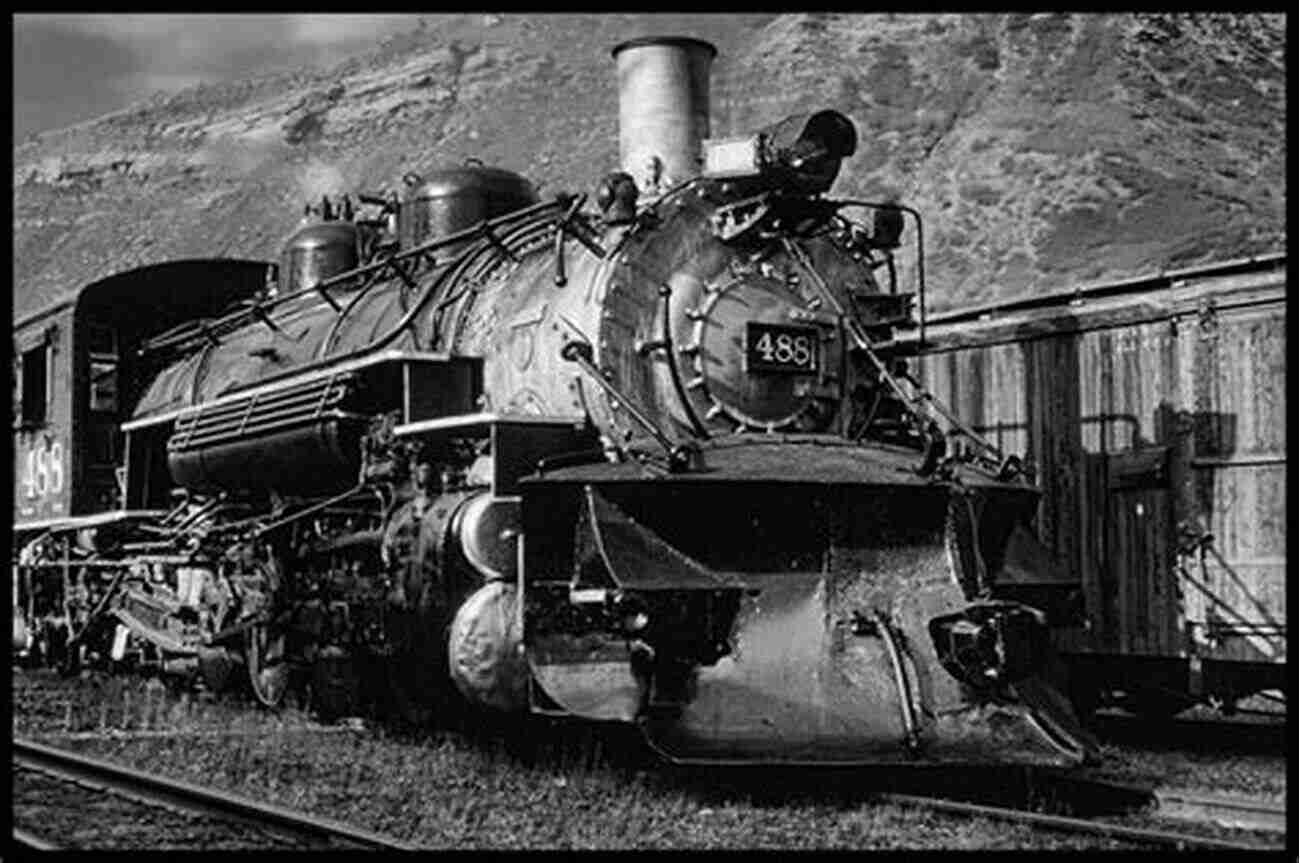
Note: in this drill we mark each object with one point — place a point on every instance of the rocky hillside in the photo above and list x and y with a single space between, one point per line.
1046 150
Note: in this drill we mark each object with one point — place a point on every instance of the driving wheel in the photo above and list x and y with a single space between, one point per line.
268 672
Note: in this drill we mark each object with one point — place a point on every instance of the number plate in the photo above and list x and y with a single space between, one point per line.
777 348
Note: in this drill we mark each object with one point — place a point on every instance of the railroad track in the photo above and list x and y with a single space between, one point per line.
119 734
1231 811
1235 811
59 790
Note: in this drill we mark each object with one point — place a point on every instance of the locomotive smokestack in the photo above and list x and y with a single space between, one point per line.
663 108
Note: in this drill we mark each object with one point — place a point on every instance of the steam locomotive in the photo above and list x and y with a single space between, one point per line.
658 462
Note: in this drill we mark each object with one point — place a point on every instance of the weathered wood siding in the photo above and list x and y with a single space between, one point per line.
1153 412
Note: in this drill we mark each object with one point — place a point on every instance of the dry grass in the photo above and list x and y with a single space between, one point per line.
538 786
571 787
444 792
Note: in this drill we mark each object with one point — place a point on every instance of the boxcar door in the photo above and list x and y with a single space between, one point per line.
1141 548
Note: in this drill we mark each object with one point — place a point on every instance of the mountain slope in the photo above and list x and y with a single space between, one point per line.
1044 150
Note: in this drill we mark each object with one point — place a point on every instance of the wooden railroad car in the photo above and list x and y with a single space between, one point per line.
1154 414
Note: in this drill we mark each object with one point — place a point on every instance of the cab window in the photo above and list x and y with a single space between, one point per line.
35 383
103 369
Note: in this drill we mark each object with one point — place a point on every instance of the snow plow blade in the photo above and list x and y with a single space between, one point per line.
883 657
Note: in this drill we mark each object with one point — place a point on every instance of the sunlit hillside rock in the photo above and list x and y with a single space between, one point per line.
1046 150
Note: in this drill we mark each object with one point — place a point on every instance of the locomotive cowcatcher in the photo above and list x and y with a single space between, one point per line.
657 461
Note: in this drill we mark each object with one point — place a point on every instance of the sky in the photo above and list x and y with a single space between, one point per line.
70 68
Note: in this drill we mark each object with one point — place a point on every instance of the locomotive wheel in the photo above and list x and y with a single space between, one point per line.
268 673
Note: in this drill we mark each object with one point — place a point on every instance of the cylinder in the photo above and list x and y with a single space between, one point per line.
663 108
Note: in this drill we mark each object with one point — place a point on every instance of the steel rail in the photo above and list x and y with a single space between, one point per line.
32 842
1229 810
1070 824
159 790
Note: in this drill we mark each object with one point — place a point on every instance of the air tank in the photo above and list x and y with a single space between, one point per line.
484 655
447 200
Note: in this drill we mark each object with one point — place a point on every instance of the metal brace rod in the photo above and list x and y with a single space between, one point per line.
490 235
911 729
265 529
403 275
265 317
580 353
926 396
863 342
320 289
208 334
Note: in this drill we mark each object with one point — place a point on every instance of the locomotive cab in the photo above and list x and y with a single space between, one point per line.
79 375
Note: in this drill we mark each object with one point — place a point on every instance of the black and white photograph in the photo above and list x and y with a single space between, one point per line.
651 431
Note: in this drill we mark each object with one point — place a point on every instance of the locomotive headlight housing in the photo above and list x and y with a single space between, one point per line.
801 153
729 158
